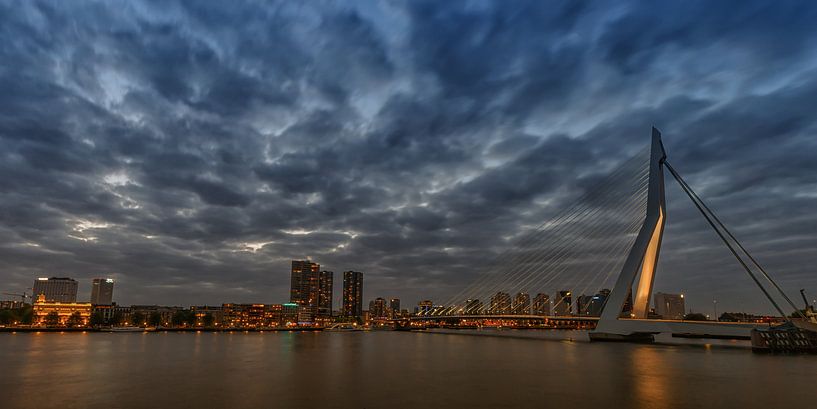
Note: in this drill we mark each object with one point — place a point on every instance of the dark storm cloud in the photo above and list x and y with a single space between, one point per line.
191 149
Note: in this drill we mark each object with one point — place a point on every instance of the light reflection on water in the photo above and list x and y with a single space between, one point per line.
386 369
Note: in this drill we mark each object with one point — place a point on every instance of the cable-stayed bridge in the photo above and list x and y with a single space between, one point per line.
606 245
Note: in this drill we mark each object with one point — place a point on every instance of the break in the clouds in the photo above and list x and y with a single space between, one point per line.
191 149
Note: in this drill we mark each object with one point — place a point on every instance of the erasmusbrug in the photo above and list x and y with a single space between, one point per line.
597 260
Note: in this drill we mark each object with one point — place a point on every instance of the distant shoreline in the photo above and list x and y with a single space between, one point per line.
107 330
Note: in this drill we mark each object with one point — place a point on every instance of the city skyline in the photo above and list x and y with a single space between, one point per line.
171 151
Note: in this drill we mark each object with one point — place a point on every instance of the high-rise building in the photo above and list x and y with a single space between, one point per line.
473 306
394 307
541 304
377 308
352 294
562 303
500 303
56 289
583 304
424 307
670 306
597 303
305 288
325 294
102 291
521 304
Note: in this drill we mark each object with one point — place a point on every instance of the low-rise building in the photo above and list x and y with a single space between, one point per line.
55 313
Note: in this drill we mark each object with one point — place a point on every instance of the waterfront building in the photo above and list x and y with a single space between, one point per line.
244 315
597 303
57 313
424 307
670 306
562 303
325 294
102 291
394 307
305 288
353 294
541 304
500 303
583 304
11 305
521 304
289 313
104 311
207 315
473 306
377 308
60 289
163 315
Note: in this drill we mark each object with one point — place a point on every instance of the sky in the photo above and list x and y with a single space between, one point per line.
190 150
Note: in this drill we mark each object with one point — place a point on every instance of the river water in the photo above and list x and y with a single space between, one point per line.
387 370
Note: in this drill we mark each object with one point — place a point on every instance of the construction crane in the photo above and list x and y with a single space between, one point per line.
22 296
809 308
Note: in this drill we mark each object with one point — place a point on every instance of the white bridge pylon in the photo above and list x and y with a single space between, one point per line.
642 260
641 264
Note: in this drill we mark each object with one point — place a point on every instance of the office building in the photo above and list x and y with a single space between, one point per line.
670 306
521 304
305 288
394 307
102 291
56 289
353 294
424 307
597 303
377 308
325 294
473 306
541 304
500 303
562 303
583 304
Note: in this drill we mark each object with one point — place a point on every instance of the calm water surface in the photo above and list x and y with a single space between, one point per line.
387 370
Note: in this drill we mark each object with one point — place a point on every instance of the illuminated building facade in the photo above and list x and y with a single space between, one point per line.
102 291
305 288
501 303
377 308
61 289
202 312
541 304
353 294
562 303
670 306
521 304
597 303
473 306
394 307
325 293
62 313
424 307
583 304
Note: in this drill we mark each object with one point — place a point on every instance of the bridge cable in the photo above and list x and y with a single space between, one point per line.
552 256
692 194
693 197
541 235
555 255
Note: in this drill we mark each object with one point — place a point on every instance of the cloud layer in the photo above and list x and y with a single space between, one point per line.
190 150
